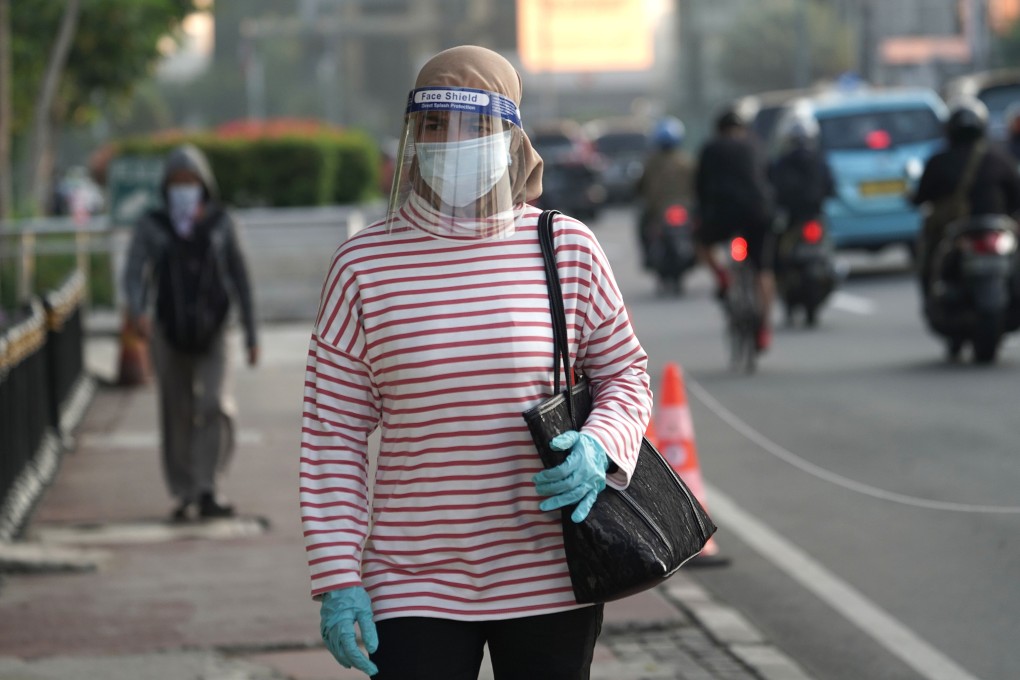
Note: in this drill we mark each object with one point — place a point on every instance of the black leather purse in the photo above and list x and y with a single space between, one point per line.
632 539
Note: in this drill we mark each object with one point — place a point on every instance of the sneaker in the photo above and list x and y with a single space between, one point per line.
763 338
209 507
181 512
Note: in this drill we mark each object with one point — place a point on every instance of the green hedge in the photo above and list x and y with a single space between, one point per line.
327 169
51 269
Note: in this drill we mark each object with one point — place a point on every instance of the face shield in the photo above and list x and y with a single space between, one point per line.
460 169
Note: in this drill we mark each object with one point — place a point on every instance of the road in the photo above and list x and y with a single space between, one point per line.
866 489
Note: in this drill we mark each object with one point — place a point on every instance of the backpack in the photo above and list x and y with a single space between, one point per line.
192 299
956 205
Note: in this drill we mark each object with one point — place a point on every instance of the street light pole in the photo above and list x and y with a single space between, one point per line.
802 73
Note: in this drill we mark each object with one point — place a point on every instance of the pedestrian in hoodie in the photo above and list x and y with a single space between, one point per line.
184 273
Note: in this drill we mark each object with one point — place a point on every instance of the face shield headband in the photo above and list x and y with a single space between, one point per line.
460 166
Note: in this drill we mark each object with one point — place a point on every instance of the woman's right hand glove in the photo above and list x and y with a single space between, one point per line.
339 610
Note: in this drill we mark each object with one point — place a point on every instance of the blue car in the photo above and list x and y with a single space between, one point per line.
876 142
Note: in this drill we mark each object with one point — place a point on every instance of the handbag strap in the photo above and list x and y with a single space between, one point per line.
969 172
561 357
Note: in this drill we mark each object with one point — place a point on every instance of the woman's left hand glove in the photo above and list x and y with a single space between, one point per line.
339 610
578 479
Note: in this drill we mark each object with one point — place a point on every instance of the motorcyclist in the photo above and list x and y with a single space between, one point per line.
800 176
994 182
734 197
667 178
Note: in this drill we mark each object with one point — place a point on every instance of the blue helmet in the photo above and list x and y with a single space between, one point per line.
668 133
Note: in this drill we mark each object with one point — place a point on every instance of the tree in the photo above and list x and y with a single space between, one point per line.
42 128
760 50
112 46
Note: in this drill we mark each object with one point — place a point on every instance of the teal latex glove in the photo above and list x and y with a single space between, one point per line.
578 479
339 610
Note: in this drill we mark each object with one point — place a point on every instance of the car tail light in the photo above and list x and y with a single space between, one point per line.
738 249
812 232
676 216
991 243
878 139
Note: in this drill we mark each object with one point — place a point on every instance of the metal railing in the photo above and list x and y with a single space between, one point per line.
42 393
288 249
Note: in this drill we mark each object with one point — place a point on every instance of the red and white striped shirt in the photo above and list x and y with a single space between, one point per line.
443 343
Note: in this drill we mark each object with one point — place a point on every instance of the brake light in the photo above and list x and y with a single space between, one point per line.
878 140
738 249
676 216
991 243
812 231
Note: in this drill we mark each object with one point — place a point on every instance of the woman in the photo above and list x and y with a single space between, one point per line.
434 327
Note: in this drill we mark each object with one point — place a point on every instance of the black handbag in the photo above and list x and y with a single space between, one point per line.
632 539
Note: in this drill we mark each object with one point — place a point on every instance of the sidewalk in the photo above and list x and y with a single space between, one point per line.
107 589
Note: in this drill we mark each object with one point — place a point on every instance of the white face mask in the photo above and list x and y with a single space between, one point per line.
183 201
462 172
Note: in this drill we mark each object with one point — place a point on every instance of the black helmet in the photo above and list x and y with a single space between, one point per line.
729 118
968 120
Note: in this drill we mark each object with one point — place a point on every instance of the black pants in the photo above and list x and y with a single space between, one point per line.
547 647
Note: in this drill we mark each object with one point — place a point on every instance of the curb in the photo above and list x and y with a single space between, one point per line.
732 631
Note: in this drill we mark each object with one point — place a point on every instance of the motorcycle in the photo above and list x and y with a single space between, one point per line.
974 294
805 269
670 247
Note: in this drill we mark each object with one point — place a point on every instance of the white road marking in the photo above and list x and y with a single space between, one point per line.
810 468
852 303
840 595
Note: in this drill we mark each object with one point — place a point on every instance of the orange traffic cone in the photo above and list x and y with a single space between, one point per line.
651 435
676 436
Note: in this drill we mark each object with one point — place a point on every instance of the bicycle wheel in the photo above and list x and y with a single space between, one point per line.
742 324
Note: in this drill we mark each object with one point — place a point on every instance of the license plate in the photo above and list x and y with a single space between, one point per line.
885 187
804 251
983 266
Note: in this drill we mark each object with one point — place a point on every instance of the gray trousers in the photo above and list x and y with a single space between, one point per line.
197 413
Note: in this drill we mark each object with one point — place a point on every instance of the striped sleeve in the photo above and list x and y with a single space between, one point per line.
610 354
341 409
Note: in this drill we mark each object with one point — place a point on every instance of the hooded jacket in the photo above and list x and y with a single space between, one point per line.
151 238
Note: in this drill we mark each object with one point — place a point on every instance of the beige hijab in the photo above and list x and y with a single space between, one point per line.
483 69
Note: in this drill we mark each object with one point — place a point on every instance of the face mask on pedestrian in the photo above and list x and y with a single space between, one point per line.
183 202
462 172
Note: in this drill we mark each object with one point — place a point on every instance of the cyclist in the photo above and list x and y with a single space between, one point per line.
668 178
994 183
734 197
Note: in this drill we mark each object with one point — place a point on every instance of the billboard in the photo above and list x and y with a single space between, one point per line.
570 36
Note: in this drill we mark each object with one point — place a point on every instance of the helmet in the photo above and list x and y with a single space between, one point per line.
968 120
800 132
729 118
669 133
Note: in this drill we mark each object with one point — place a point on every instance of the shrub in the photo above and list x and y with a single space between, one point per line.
278 166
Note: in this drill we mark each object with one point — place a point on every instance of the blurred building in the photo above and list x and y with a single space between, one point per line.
924 42
361 56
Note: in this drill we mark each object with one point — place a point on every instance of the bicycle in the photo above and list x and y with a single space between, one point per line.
743 309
